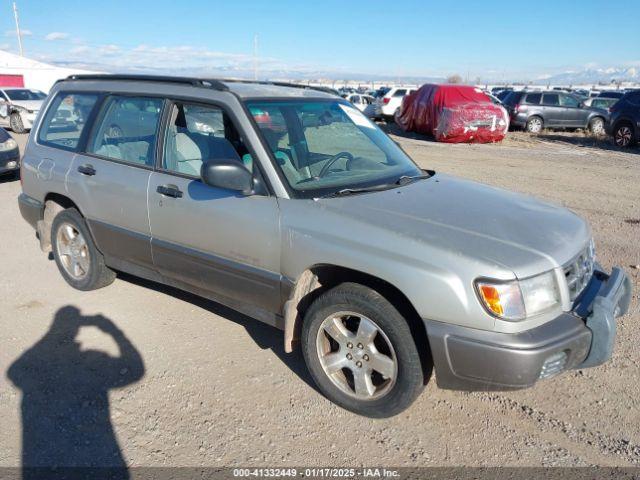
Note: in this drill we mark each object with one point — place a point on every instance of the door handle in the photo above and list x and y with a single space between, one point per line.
169 191
87 170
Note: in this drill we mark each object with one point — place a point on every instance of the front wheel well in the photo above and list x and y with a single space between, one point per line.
320 278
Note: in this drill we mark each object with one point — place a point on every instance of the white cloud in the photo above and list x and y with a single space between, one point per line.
56 36
12 33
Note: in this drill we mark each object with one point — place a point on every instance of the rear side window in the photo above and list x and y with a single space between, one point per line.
551 99
126 129
634 98
66 120
569 101
533 98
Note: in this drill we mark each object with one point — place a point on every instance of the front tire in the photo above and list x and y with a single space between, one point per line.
79 261
361 353
16 124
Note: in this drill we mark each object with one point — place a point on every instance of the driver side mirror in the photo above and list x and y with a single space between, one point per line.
228 174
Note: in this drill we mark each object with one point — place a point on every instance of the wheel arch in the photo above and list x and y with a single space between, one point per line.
319 278
54 203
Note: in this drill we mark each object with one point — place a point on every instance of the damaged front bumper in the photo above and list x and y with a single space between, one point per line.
471 359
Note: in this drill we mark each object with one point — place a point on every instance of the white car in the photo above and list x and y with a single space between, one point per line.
387 105
19 107
363 102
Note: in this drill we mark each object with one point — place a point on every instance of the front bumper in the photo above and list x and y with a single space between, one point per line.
470 359
9 160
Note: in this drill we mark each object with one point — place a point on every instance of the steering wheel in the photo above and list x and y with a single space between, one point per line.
333 160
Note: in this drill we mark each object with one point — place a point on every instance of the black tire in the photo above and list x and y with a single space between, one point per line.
410 376
15 122
623 134
98 274
535 124
596 126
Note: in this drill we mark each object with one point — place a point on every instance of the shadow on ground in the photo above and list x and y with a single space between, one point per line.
66 422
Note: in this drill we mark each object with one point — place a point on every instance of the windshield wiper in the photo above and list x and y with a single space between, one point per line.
405 179
352 191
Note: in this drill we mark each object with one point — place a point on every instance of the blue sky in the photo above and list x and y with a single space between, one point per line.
498 39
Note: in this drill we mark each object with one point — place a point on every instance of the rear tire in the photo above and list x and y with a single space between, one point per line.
596 126
623 135
534 125
15 122
369 363
79 261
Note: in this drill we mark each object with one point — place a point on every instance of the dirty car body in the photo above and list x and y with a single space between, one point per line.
310 202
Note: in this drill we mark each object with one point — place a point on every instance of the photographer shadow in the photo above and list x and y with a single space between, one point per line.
66 424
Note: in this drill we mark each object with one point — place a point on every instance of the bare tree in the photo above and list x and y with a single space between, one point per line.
455 78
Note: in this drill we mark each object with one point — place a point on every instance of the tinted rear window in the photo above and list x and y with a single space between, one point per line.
400 93
512 98
551 99
533 98
66 120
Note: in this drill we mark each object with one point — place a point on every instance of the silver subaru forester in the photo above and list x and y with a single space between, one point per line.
287 204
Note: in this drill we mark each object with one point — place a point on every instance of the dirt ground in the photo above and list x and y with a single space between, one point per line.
208 386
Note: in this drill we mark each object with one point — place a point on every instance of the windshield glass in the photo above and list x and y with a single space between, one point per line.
24 94
326 146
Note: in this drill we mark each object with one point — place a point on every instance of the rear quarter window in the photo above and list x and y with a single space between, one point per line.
66 120
533 98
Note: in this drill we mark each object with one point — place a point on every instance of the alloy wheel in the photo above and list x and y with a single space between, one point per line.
623 136
73 251
534 125
356 355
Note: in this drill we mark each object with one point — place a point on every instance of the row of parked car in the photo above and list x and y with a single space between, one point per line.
612 112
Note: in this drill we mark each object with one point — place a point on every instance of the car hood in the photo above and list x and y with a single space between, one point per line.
500 228
28 104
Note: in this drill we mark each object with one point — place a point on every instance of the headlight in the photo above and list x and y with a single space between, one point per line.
8 145
516 300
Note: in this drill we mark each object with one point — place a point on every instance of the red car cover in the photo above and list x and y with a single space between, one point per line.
453 113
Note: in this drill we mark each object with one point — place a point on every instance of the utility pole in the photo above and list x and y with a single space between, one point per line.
15 14
255 57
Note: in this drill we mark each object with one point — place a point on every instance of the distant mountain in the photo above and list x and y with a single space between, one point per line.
243 72
595 75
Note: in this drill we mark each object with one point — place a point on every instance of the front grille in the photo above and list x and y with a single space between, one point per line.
579 271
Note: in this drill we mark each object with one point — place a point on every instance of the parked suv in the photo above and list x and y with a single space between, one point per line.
534 111
624 121
389 104
19 107
289 205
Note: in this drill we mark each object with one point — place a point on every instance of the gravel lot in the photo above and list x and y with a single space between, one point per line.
218 390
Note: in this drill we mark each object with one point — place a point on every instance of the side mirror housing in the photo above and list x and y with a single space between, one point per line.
228 174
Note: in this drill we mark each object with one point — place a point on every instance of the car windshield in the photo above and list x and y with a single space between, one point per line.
25 94
324 146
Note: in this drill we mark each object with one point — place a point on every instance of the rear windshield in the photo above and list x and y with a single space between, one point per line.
533 98
512 98
25 94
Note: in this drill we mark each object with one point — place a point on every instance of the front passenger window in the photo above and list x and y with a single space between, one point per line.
126 129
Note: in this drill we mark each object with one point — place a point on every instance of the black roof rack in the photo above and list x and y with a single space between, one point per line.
214 83
195 82
282 84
